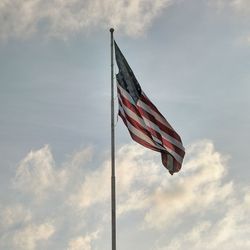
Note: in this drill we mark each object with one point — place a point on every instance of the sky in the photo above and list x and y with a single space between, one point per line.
191 58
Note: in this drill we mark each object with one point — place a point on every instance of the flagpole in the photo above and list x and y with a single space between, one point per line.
113 202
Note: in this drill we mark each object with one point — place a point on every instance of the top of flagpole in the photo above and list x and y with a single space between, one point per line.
111 30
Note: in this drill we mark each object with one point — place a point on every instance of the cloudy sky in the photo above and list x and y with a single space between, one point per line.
192 58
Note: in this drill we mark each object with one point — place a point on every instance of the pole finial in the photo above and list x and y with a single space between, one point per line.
111 30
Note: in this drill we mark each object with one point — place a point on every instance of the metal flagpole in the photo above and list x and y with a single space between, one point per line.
113 207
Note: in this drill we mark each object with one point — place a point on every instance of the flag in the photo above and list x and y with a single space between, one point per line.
145 123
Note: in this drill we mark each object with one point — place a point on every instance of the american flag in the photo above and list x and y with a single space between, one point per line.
145 123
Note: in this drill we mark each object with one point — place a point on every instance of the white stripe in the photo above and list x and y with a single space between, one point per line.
142 122
144 106
147 123
158 117
163 134
126 94
169 138
132 114
175 155
140 134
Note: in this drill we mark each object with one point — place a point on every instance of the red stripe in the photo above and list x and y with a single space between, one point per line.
141 112
123 118
149 131
146 100
129 105
138 111
137 125
176 164
171 146
162 126
143 143
137 139
134 109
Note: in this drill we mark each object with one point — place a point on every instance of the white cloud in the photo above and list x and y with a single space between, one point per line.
12 215
228 232
42 189
59 18
196 208
82 242
36 174
129 160
197 187
27 238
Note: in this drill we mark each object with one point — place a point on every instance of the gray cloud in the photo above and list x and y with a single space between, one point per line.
59 18
242 6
